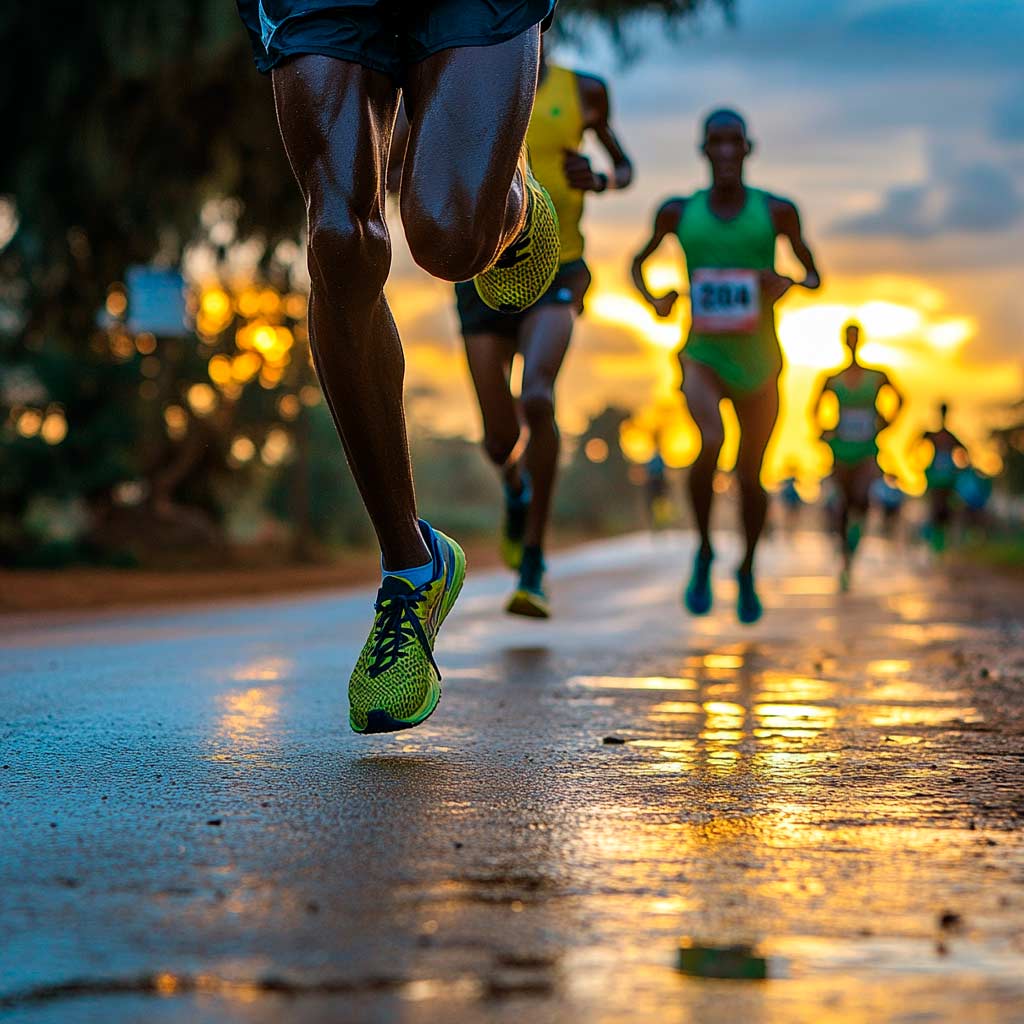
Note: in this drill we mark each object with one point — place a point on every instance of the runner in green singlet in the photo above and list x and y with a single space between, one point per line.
854 443
728 234
941 476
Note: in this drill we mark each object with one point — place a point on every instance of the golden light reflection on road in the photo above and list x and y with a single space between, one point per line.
262 670
246 718
631 683
741 712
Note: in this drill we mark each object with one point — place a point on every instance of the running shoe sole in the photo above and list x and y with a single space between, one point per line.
532 606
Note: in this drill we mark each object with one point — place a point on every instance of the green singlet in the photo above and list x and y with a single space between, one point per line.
857 429
746 359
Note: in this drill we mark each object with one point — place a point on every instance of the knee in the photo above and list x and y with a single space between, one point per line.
712 437
447 251
538 407
447 239
348 251
499 447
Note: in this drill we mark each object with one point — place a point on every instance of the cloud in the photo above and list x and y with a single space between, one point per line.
983 198
977 199
1008 117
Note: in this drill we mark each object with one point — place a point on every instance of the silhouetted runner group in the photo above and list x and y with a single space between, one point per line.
486 161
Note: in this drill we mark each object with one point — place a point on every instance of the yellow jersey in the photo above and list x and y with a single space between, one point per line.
557 125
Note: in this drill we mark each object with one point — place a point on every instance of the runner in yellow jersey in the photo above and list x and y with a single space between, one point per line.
728 234
568 105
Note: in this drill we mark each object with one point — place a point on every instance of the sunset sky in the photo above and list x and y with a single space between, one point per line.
897 127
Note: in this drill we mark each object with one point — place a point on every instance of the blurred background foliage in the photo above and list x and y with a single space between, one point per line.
138 134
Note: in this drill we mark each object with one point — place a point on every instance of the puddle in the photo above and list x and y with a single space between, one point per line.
779 686
890 716
722 661
905 691
263 670
676 707
926 634
802 956
633 683
808 586
887 666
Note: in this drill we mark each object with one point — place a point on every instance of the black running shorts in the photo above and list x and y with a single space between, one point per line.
475 317
384 35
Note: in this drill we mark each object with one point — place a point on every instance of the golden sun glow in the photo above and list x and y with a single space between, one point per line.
622 354
636 316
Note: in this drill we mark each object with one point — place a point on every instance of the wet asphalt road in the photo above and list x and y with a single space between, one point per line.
188 831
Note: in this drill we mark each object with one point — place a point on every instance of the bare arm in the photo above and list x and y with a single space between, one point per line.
915 443
596 106
900 400
826 385
666 222
786 220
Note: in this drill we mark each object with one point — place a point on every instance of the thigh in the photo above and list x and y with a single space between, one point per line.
842 478
757 415
865 474
336 118
703 392
469 108
490 363
941 502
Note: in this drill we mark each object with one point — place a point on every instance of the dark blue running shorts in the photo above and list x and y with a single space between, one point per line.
569 288
384 35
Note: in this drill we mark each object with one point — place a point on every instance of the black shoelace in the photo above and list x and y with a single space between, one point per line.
399 625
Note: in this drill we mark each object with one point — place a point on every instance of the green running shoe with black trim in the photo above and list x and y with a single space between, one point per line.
698 595
396 683
525 269
517 507
529 598
748 605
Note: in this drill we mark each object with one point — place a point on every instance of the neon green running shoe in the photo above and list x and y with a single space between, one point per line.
529 598
748 605
525 270
517 506
396 683
698 596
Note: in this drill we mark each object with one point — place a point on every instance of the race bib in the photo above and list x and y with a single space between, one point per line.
857 425
725 301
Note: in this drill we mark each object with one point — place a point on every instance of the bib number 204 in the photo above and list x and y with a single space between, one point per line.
725 301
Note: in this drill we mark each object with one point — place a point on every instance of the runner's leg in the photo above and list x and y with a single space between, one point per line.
841 513
336 119
490 363
469 108
757 415
703 391
860 490
544 340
